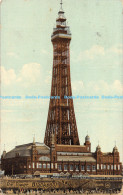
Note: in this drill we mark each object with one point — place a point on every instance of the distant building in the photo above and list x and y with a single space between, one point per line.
61 151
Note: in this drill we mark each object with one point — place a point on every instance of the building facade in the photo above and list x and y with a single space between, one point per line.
36 158
61 151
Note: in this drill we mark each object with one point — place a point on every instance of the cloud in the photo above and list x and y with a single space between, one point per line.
77 84
118 86
29 73
98 88
98 51
116 50
103 87
7 76
95 50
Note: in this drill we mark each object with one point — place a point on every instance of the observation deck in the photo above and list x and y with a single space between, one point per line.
61 30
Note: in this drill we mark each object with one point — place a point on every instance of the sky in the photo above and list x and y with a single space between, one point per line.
96 69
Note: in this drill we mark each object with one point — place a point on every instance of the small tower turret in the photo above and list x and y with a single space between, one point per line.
87 139
98 148
115 154
115 149
87 143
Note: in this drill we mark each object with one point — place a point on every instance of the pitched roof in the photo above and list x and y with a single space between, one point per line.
25 150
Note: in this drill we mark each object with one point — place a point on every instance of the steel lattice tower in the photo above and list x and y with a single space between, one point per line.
61 117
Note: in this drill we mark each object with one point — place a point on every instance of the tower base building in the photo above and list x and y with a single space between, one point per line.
36 158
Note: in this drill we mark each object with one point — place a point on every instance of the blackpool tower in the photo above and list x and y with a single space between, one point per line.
61 121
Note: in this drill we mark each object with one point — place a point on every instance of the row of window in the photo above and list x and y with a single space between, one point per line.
76 167
109 167
39 165
65 167
72 167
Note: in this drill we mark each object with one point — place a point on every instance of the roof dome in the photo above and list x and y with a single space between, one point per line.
87 138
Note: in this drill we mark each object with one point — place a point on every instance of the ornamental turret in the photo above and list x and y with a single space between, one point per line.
87 138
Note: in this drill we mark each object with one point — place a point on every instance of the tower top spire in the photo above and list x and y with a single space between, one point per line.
61 3
61 8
